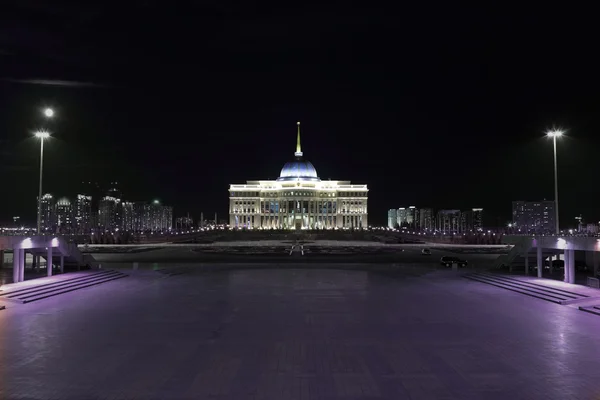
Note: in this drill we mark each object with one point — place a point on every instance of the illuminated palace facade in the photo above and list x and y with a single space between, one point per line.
298 199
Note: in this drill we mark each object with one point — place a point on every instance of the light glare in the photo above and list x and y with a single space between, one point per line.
42 134
555 133
48 112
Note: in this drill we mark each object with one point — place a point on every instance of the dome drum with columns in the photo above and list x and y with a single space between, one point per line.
298 199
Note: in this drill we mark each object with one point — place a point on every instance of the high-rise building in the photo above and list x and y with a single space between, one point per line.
48 213
412 217
534 216
146 217
83 214
448 221
109 213
161 217
402 217
64 215
471 220
166 222
392 218
465 222
127 216
426 219
477 219
141 216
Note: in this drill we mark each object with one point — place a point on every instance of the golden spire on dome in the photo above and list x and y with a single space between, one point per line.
298 152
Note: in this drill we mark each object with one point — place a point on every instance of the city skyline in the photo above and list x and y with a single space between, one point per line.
447 119
90 188
108 213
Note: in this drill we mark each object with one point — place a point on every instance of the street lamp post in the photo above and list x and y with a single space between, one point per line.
48 113
554 134
41 135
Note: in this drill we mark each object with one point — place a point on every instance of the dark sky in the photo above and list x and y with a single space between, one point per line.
430 107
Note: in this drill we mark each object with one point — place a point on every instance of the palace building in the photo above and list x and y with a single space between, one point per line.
298 199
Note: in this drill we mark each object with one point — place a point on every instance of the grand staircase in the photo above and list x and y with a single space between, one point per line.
544 292
64 283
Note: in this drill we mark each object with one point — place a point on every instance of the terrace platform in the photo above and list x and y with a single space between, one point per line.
297 334
55 250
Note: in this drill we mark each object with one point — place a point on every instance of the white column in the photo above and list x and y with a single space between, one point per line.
49 261
21 265
571 255
16 264
567 271
566 266
540 261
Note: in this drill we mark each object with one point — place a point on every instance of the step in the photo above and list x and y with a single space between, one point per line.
532 285
65 284
516 288
66 289
592 310
2 307
540 289
79 278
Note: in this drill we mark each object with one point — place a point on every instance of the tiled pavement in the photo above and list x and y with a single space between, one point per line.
297 334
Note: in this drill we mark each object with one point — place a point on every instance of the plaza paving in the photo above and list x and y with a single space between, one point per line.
297 334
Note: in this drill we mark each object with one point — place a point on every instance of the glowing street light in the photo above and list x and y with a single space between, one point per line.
49 113
554 134
41 135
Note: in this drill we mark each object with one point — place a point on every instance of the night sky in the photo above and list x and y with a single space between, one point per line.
443 108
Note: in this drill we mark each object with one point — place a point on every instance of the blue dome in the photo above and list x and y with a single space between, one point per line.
298 169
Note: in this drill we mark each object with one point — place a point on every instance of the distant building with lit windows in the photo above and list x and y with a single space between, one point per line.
401 217
109 213
412 217
471 220
83 213
161 217
392 218
127 216
48 213
298 199
426 219
64 215
534 216
141 216
448 221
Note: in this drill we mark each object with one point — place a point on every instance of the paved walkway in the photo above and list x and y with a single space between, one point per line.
297 334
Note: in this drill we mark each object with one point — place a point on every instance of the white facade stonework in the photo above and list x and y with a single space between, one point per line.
298 199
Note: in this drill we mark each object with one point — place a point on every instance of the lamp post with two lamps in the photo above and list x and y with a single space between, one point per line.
42 135
554 134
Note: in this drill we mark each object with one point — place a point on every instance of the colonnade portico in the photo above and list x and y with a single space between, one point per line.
298 199
302 207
